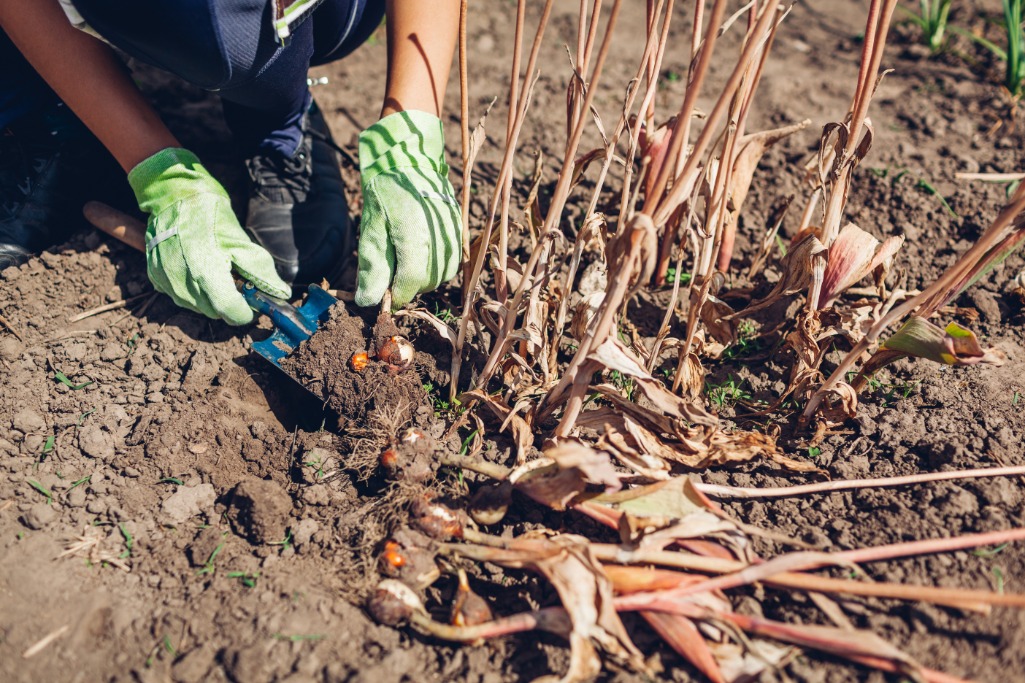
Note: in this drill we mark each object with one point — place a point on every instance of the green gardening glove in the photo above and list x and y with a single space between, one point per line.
193 239
410 232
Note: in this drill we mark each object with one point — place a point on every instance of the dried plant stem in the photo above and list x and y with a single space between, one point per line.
43 642
785 571
552 619
559 197
697 77
488 469
646 110
929 547
735 574
470 286
585 44
624 555
991 177
812 637
556 620
876 28
687 177
632 241
464 120
746 493
654 46
113 306
10 328
684 182
501 281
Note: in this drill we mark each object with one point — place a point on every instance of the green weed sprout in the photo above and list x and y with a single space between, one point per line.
1014 67
1015 71
932 19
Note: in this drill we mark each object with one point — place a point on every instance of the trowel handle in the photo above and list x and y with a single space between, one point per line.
117 224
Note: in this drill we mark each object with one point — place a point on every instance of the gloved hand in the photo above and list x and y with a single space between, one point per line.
193 239
412 224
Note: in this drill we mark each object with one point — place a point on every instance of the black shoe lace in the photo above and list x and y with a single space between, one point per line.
276 176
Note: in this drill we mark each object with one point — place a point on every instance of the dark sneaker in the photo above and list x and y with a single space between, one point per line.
297 207
49 166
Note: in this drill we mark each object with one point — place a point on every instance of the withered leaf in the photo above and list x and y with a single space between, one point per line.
853 255
615 356
571 467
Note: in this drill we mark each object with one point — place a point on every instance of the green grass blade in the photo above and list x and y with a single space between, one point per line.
63 379
42 489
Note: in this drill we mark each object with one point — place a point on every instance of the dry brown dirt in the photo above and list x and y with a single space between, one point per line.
230 499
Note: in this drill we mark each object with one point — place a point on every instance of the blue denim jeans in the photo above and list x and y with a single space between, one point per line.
227 46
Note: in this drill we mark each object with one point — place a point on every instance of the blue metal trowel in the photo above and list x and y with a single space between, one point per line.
292 324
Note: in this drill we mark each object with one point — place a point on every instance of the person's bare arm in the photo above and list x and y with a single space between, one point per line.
89 77
421 41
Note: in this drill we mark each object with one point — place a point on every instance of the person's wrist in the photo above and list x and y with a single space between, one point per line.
410 138
165 177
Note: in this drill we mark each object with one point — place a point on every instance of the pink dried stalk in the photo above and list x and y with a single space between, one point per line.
876 29
464 120
471 283
539 255
654 47
751 493
501 282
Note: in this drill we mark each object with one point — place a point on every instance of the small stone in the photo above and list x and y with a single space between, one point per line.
28 421
34 443
304 530
316 495
10 349
96 442
259 510
246 664
7 447
39 516
194 665
960 502
986 303
76 351
76 497
96 506
189 501
132 473
112 352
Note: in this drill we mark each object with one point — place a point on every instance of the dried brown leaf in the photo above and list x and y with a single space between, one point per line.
568 470
569 564
521 431
752 148
683 636
615 356
797 270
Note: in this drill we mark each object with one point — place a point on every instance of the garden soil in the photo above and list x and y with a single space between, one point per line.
174 509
